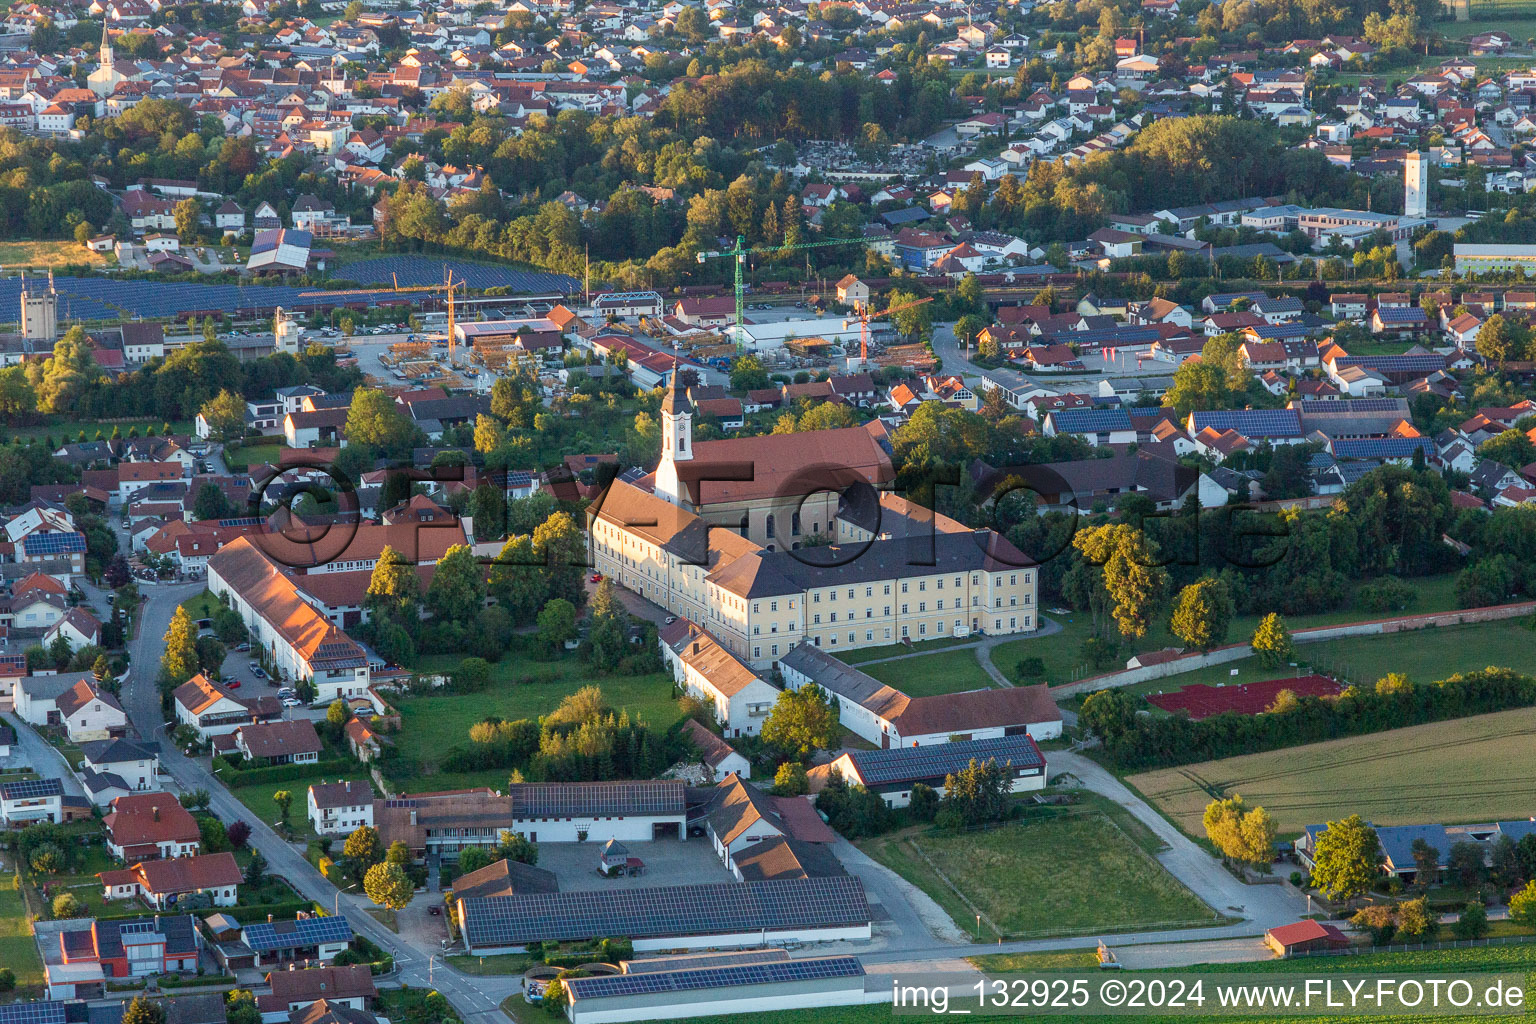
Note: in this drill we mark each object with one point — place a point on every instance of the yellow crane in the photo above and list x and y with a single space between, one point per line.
864 316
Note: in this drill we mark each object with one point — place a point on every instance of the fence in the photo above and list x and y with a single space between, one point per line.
1505 940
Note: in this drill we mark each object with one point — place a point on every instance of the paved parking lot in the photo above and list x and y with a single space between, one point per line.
667 862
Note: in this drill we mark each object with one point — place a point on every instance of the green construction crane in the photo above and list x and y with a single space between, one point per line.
741 252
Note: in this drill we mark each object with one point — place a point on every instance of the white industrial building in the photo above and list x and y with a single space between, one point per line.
769 336
892 773
717 984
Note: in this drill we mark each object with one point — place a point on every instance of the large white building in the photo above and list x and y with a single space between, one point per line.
1415 185
706 670
1482 259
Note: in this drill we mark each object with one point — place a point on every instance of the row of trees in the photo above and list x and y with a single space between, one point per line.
1135 740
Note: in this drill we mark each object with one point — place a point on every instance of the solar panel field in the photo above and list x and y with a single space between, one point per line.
1471 769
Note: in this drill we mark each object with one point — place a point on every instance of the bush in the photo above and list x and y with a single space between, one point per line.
7 980
1387 594
1029 668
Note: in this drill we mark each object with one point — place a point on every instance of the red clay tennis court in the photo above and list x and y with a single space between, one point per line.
1202 701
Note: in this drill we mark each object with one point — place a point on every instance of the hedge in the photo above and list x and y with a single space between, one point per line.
237 778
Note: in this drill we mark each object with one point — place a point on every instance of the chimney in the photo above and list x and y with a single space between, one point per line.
156 812
269 919
695 647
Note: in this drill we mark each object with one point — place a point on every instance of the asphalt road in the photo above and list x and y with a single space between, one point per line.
418 964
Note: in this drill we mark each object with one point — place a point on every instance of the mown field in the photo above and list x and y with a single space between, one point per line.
47 254
931 674
1481 768
1082 875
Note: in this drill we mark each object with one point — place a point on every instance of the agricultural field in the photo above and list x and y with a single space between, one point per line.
930 674
25 255
1083 873
1482 768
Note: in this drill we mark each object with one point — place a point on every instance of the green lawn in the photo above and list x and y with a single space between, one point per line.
864 654
520 688
930 674
487 966
1050 960
258 798
1074 874
259 450
1060 651
18 950
201 606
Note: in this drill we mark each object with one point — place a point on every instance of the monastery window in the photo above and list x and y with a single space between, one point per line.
975 580
957 582
1013 579
903 609
922 606
869 591
903 586
922 584
869 613
757 652
794 524
887 610
817 620
773 606
770 524
816 597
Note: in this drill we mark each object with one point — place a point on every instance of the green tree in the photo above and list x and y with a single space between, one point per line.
388 886
188 215
1416 920
67 905
1347 859
748 374
1426 863
1203 613
394 589
791 780
1512 448
457 590
179 662
803 721
225 413
1272 641
473 859
143 1011
1240 832
514 846
375 420
1473 922
557 623
210 503
284 800
363 849
1522 906
976 794
337 714
1132 579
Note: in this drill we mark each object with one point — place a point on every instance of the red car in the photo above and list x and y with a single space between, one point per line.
597 577
233 684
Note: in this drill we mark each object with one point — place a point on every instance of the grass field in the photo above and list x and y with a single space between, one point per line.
266 450
864 654
47 254
520 688
930 674
18 951
1483 769
258 798
201 606
1071 875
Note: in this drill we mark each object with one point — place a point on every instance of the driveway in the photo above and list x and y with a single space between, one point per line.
31 750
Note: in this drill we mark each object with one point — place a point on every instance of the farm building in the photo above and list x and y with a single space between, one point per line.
892 773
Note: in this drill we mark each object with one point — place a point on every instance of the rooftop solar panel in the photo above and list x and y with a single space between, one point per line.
1085 421
1251 422
43 1011
780 973
702 960
1383 447
728 908
31 789
53 543
538 800
1426 362
901 764
264 935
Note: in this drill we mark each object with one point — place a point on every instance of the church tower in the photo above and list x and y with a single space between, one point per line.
39 312
105 53
676 439
106 78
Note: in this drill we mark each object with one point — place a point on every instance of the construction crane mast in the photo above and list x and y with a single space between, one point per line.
740 252
450 285
864 316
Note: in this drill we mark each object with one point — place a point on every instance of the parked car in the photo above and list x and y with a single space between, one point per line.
597 577
242 647
233 684
290 702
258 673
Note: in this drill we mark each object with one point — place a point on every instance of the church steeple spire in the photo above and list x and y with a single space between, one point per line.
106 45
676 437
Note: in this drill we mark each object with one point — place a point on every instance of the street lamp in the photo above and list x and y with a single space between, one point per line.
336 901
978 927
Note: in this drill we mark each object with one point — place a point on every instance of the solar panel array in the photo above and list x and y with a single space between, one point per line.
1251 422
47 1011
1425 361
584 800
57 543
423 270
500 921
31 789
1351 406
88 298
309 931
1090 421
1402 314
902 764
242 521
1383 447
691 963
781 973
